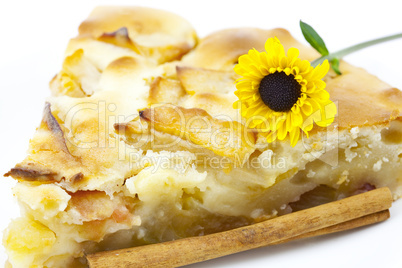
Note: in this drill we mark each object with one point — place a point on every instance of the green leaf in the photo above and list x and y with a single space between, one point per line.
313 38
335 65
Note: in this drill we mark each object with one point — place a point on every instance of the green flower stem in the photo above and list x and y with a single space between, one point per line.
341 53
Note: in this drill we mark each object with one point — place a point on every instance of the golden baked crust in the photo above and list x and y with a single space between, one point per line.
139 142
379 104
157 34
226 46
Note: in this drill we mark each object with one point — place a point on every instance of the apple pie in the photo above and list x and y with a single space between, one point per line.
139 142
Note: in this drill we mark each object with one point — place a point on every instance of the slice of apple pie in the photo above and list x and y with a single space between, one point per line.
140 143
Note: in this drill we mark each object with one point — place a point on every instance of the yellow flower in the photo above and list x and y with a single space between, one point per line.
282 95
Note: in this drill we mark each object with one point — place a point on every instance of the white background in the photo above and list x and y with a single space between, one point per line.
34 34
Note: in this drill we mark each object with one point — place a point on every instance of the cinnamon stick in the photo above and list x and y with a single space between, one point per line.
343 214
343 226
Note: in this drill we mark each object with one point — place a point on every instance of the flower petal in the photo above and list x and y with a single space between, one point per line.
307 108
328 113
304 66
292 54
271 137
297 119
274 47
320 95
294 136
282 132
320 71
320 84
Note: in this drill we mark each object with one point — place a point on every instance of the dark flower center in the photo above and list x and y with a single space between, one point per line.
279 91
